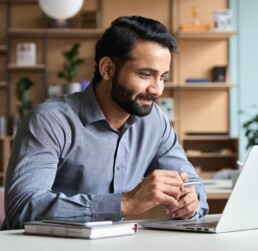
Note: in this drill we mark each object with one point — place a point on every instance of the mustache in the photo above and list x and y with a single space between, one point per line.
146 96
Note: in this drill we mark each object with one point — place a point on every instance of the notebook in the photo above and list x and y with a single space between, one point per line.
240 212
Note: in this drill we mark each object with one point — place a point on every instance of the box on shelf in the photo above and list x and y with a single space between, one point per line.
26 54
167 106
223 20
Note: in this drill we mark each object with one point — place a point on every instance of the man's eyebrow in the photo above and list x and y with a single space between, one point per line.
150 69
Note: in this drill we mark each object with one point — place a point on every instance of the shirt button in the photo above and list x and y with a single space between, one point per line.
118 168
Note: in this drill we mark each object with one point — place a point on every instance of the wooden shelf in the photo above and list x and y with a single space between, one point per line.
32 68
55 32
201 86
205 34
211 155
3 84
208 137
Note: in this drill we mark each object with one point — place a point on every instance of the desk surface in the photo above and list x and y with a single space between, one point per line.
150 240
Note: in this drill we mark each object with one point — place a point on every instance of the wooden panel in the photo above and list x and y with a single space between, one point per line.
197 58
203 111
159 10
2 67
26 16
2 23
2 101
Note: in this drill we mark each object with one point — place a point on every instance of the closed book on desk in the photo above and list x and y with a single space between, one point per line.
67 230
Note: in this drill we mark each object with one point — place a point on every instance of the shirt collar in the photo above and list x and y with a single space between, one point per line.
90 110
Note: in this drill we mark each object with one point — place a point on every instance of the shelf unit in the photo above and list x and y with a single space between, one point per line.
211 153
202 108
196 105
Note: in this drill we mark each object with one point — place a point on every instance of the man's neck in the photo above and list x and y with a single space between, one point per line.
114 114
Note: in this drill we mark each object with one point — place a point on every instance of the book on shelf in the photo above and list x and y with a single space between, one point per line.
197 80
167 106
83 231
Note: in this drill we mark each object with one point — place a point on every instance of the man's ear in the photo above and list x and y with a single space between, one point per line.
106 68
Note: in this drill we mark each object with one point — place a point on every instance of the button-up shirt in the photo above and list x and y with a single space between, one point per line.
68 162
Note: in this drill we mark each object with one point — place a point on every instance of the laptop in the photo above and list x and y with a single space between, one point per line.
240 212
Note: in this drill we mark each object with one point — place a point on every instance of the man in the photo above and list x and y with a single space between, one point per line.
108 152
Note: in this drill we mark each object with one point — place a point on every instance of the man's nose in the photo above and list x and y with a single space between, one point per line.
156 88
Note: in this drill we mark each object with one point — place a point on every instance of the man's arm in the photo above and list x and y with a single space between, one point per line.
31 174
171 156
163 183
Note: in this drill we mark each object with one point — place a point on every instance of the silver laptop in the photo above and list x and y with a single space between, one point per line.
240 212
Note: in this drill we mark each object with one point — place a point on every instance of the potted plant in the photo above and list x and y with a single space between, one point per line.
70 68
23 94
251 129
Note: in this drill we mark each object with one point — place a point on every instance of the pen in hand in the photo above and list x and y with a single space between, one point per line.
191 183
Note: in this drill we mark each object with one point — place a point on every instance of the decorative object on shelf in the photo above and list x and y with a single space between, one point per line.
219 73
70 69
85 84
223 20
196 24
167 106
89 19
54 90
251 128
195 12
3 126
23 94
60 11
26 54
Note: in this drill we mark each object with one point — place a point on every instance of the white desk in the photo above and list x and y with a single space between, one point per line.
148 240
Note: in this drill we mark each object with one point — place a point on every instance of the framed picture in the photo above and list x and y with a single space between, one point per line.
223 20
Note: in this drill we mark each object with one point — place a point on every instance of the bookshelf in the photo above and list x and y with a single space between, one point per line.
199 107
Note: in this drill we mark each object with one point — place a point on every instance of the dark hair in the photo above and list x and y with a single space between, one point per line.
119 40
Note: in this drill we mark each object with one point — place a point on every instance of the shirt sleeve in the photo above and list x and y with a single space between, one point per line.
171 156
31 174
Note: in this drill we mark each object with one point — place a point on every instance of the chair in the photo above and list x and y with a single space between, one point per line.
2 214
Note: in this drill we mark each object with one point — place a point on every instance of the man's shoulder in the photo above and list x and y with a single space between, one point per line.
63 105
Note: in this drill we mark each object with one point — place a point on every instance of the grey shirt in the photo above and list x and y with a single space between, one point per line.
68 162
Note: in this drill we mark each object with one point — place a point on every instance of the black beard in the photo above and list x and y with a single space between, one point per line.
123 97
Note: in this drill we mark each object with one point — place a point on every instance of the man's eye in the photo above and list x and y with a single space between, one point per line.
145 75
164 78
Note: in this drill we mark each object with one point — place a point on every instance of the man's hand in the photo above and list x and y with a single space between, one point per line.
188 204
161 186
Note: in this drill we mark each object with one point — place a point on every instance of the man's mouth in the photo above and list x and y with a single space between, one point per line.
146 99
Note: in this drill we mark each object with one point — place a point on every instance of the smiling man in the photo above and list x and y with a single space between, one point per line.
107 152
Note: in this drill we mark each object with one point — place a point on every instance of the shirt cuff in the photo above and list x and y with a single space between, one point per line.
106 207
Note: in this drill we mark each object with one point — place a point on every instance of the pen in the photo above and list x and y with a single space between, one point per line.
191 183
